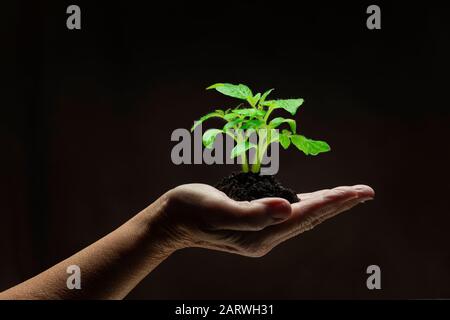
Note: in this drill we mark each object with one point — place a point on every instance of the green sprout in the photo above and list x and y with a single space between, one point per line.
252 116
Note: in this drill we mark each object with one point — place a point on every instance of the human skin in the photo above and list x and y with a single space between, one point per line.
191 215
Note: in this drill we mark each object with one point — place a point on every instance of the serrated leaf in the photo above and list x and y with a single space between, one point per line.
254 100
231 124
290 105
264 96
241 147
276 122
217 113
210 136
240 91
309 146
250 112
284 141
253 124
230 116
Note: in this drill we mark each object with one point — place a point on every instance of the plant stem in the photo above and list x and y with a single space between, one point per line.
260 151
257 165
244 163
262 147
269 111
240 138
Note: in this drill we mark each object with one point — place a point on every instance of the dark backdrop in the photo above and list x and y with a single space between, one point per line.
86 119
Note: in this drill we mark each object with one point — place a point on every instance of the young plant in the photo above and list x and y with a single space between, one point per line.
252 117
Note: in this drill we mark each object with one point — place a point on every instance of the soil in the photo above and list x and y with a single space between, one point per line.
247 186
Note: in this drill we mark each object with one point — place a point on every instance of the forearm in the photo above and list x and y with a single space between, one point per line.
110 268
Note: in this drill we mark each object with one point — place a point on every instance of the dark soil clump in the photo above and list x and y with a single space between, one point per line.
247 186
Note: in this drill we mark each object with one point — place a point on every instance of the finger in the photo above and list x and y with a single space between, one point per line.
251 216
309 195
319 207
318 203
357 188
364 191
288 235
256 244
309 213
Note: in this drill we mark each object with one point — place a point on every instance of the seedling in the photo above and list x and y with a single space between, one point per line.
253 117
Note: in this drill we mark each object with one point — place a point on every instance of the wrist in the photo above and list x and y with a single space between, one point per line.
159 228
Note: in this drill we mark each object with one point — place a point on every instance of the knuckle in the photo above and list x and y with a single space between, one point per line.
306 224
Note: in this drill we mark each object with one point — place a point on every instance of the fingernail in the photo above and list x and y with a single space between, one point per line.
364 190
280 209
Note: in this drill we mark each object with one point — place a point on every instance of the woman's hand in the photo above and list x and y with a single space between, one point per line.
198 215
191 215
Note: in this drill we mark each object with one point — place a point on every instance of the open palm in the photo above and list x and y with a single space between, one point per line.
199 215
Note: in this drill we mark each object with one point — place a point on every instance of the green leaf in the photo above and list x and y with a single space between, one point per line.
309 146
254 100
231 124
217 113
274 135
270 135
253 124
276 122
240 91
284 141
209 137
250 112
241 147
264 96
290 105
230 116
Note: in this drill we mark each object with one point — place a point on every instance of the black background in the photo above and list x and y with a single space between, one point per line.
86 119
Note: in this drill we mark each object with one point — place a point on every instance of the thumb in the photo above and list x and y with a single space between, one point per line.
252 215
